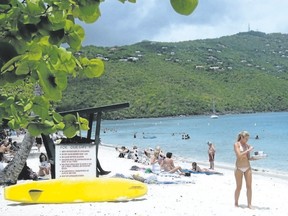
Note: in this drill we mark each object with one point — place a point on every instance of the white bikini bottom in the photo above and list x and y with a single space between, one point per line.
243 169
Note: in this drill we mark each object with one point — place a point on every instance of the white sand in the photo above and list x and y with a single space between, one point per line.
210 195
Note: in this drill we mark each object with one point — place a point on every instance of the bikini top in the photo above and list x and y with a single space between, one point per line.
242 149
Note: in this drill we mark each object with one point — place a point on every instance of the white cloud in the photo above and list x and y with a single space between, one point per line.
175 33
124 24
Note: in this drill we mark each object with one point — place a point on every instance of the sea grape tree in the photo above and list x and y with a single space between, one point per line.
33 34
32 40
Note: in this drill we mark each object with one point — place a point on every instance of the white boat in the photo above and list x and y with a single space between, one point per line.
214 116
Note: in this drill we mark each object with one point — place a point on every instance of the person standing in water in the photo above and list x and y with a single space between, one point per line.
242 150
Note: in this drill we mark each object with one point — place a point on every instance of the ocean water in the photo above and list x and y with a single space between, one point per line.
271 128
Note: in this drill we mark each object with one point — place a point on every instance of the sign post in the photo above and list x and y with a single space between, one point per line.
75 160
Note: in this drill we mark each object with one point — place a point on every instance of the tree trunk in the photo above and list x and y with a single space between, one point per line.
11 172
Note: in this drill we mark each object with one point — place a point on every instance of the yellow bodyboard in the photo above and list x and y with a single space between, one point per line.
69 190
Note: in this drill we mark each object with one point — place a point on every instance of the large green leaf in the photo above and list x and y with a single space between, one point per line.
54 53
26 67
61 80
35 7
64 61
83 123
89 12
34 52
57 19
41 107
71 125
62 5
60 126
35 129
75 35
22 69
57 117
13 124
52 84
184 7
93 68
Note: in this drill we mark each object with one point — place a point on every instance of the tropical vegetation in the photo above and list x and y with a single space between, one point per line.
245 72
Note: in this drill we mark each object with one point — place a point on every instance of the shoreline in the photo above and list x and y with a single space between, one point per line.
220 165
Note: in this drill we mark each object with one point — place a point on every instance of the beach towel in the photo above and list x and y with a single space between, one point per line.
202 172
151 178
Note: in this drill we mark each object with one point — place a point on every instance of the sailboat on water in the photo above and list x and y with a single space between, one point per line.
214 116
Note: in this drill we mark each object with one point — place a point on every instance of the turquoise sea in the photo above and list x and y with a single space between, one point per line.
271 128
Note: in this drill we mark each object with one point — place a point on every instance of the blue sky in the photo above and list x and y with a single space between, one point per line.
155 20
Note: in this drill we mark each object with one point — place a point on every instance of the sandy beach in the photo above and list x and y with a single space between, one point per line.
199 194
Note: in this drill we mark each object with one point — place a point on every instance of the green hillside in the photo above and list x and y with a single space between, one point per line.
246 72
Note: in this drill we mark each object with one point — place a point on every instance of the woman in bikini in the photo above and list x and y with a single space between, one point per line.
156 160
242 150
211 154
44 166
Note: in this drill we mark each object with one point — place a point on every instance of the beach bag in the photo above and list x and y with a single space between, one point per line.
27 174
135 168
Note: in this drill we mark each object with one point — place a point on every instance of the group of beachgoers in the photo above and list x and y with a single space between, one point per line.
161 162
135 154
8 148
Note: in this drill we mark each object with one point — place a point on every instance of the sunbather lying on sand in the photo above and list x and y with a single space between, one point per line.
195 168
